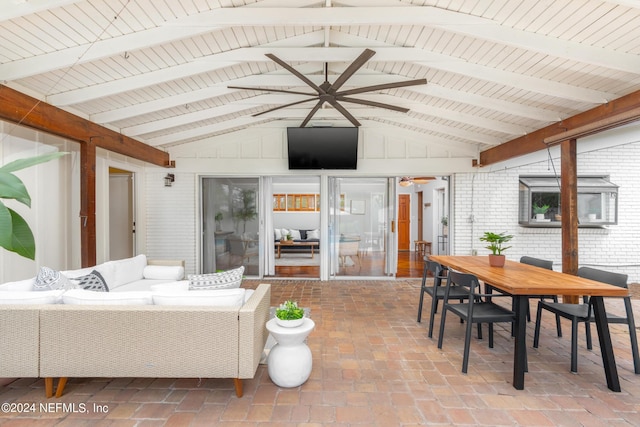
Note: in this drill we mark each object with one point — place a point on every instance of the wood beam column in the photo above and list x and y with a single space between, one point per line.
569 210
88 203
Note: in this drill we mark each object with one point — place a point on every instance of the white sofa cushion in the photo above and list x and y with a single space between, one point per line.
128 270
313 234
84 297
213 298
163 272
179 286
277 233
49 279
30 297
25 285
223 280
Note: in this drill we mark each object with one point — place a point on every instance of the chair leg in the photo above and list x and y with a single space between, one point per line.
441 335
432 316
536 334
490 335
558 326
422 286
467 344
587 330
632 335
420 304
574 346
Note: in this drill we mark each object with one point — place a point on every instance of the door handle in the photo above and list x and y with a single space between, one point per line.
393 226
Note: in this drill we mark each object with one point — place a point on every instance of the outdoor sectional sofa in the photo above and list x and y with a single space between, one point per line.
180 339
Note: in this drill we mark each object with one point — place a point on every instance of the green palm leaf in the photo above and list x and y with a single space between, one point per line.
11 187
25 163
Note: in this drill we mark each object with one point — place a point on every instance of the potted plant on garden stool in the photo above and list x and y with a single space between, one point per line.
496 241
289 315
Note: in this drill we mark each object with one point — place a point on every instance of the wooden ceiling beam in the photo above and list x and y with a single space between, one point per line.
534 141
18 108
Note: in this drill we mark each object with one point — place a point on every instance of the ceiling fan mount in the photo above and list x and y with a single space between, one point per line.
330 93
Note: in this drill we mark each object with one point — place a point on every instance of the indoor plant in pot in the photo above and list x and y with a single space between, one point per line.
540 210
496 240
289 315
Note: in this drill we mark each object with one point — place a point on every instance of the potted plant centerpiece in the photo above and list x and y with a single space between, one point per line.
496 240
289 314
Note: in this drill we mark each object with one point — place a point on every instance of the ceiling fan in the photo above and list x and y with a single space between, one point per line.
407 181
331 93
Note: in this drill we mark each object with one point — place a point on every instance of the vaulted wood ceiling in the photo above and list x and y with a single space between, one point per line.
158 71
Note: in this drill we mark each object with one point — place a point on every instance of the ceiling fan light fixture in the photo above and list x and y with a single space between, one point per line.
405 182
422 180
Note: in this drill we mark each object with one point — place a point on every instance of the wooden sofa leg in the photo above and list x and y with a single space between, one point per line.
48 387
62 382
238 383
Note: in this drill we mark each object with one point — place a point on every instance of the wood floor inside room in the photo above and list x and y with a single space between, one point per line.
409 265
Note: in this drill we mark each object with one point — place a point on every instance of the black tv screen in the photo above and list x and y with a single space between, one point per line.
323 148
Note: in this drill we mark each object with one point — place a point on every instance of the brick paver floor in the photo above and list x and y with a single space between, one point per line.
373 365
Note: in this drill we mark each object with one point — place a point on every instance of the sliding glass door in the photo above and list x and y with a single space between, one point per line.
230 224
360 235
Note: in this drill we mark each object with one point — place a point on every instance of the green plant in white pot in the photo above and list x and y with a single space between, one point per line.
15 234
540 210
288 314
496 242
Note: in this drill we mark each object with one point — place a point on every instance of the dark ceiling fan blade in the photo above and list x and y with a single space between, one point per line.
311 114
382 87
272 90
344 112
372 103
294 72
351 69
282 106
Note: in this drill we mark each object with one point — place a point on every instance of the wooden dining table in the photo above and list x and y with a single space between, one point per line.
524 280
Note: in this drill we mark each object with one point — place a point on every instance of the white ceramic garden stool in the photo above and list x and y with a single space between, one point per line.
289 362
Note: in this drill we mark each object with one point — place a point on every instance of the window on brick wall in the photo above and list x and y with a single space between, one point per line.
539 201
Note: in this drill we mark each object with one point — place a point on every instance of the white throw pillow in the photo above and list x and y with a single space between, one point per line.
277 233
284 232
295 234
212 298
28 297
223 280
181 286
25 285
84 297
128 270
313 234
163 272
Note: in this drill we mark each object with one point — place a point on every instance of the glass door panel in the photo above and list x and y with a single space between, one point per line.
358 225
230 224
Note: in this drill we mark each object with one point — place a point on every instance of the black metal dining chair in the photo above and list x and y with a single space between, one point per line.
474 310
583 313
542 263
436 290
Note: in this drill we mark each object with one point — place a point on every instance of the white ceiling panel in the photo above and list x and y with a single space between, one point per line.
160 70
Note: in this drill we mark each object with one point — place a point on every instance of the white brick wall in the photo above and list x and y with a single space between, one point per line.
492 199
170 218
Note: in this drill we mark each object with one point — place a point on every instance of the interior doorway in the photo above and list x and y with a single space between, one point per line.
121 214
404 222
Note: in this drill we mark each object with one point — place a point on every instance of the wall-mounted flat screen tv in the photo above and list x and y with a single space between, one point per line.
323 147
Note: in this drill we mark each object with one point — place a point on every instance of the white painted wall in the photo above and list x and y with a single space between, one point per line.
167 217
